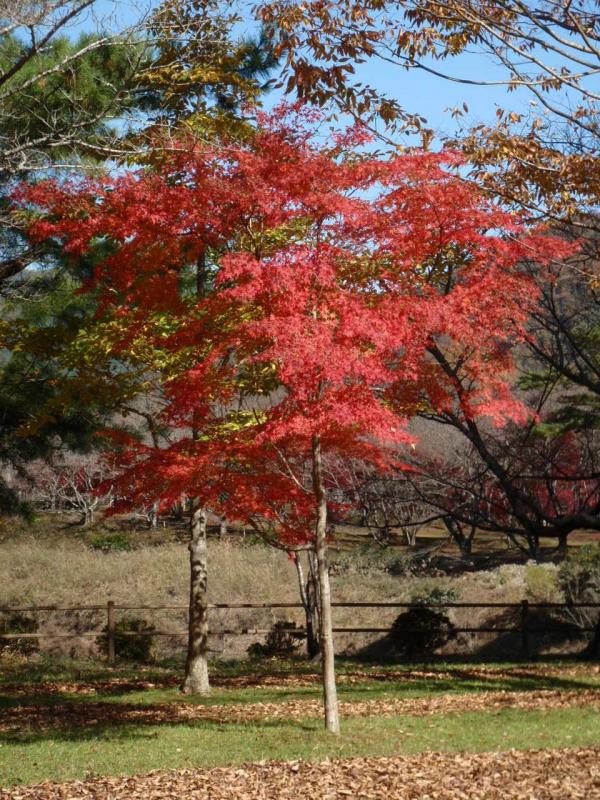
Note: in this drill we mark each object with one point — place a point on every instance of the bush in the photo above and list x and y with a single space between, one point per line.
282 641
542 583
367 559
18 623
579 574
110 542
131 648
403 566
416 633
435 595
579 578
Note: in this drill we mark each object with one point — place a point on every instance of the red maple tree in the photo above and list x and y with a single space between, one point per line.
325 277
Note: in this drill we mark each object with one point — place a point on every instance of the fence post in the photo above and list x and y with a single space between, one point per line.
525 628
110 631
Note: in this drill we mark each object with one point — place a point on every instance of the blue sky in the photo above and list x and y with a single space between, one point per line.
415 90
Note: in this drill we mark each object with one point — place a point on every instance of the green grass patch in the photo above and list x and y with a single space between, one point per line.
31 757
375 682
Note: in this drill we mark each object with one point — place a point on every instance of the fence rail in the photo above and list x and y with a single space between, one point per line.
524 628
234 606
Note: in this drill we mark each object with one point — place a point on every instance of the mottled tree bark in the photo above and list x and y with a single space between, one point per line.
196 668
332 722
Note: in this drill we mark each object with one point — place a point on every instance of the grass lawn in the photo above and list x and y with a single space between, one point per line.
30 753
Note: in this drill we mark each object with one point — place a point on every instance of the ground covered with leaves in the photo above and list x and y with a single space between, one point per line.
448 730
518 775
95 714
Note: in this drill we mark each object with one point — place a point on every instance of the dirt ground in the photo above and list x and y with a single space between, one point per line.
513 775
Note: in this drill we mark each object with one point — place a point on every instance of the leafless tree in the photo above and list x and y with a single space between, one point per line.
517 482
79 483
383 503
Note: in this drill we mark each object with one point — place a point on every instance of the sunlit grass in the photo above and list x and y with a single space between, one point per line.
131 749
30 755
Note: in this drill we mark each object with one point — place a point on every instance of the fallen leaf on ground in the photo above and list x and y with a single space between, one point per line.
512 775
68 715
283 680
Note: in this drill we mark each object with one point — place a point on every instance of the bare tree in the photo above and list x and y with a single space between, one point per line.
516 482
79 483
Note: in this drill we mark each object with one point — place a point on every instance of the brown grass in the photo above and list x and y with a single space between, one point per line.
51 564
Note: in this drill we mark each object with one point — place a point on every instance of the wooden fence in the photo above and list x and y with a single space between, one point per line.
525 628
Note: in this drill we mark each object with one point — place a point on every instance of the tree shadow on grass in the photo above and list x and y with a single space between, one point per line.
34 717
119 730
385 679
460 674
470 681
90 687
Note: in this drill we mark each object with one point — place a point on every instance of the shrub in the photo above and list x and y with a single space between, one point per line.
282 641
368 559
110 542
416 633
131 648
402 566
18 623
541 583
579 578
435 595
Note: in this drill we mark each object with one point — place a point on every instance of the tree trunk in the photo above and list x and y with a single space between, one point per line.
309 597
196 668
314 602
592 651
153 516
457 535
533 543
466 548
562 544
410 534
332 722
178 510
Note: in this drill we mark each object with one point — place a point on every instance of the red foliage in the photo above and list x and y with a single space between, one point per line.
334 276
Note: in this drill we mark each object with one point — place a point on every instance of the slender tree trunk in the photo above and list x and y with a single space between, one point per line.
533 542
332 722
592 651
562 544
309 599
153 516
196 668
466 547
464 543
410 534
314 603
